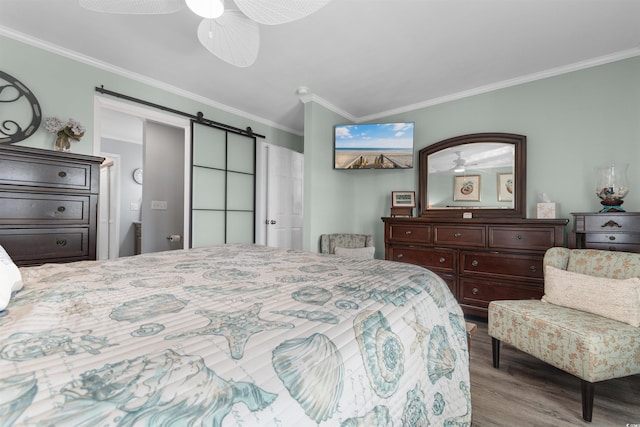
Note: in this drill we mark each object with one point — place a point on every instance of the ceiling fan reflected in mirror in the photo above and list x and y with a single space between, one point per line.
460 164
230 33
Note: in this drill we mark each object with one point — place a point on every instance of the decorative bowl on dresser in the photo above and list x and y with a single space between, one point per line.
611 231
48 205
483 247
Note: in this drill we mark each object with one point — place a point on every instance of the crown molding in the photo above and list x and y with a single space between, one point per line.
50 47
311 97
617 56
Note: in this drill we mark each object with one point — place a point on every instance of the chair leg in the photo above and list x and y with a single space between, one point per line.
587 399
495 351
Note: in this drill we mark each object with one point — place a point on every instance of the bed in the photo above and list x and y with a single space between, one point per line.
233 335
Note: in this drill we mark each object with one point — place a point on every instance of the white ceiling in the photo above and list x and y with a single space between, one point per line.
362 58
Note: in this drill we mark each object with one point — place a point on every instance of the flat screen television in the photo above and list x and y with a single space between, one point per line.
373 146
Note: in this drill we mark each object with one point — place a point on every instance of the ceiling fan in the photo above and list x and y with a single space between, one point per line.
232 34
460 164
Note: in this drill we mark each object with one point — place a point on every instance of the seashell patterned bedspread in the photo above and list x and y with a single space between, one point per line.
233 335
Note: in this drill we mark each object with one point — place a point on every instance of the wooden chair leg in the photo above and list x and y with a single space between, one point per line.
495 351
587 399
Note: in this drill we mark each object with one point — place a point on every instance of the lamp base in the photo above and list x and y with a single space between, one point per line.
611 206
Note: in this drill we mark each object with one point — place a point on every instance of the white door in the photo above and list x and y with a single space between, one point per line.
108 245
285 178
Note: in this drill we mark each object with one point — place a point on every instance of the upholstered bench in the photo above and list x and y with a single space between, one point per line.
590 346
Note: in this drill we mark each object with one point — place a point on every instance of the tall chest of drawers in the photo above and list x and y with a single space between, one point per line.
48 205
480 259
611 231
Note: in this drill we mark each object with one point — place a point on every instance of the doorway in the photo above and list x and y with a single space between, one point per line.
163 150
279 216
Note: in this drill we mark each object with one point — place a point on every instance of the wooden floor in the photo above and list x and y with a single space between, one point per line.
528 392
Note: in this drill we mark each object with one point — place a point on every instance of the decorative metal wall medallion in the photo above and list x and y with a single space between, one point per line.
24 106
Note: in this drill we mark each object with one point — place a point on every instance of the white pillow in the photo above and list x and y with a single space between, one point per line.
10 278
616 299
358 253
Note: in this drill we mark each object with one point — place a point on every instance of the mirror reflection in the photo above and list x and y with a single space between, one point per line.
472 176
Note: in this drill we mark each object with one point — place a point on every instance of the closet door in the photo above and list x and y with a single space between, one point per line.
223 186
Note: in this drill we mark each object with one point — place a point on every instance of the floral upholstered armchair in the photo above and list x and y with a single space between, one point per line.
587 323
351 245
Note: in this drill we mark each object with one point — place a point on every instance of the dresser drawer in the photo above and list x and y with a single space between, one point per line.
620 247
46 174
459 236
34 208
501 264
480 293
538 239
610 223
29 246
612 238
442 259
410 233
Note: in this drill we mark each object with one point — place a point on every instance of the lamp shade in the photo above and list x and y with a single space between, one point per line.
233 37
209 9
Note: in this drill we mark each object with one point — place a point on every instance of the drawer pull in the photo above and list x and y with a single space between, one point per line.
62 174
457 235
408 232
400 256
519 236
61 242
61 209
611 223
533 268
442 260
475 291
612 237
475 263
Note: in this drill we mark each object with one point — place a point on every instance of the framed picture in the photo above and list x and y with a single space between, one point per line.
403 199
466 188
505 187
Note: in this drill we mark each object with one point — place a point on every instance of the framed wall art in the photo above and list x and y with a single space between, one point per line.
466 188
402 203
505 187
406 199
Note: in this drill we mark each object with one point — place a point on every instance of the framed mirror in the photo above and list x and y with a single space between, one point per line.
483 174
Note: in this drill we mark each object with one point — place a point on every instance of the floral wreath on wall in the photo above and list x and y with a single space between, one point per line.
72 130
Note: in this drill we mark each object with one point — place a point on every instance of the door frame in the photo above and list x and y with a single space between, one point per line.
101 103
114 207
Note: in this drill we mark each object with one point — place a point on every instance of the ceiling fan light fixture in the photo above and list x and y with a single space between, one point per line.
210 9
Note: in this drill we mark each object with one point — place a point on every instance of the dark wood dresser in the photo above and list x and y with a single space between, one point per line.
480 259
612 231
48 205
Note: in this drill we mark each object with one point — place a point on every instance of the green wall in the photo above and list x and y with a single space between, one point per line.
573 122
65 86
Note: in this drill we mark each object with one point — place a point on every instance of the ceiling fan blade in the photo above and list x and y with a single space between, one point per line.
233 37
133 7
274 12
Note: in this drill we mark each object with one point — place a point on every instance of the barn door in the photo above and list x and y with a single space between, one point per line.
222 187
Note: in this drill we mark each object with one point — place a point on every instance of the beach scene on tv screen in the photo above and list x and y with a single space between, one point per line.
374 146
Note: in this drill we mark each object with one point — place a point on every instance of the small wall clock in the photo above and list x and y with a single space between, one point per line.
137 175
